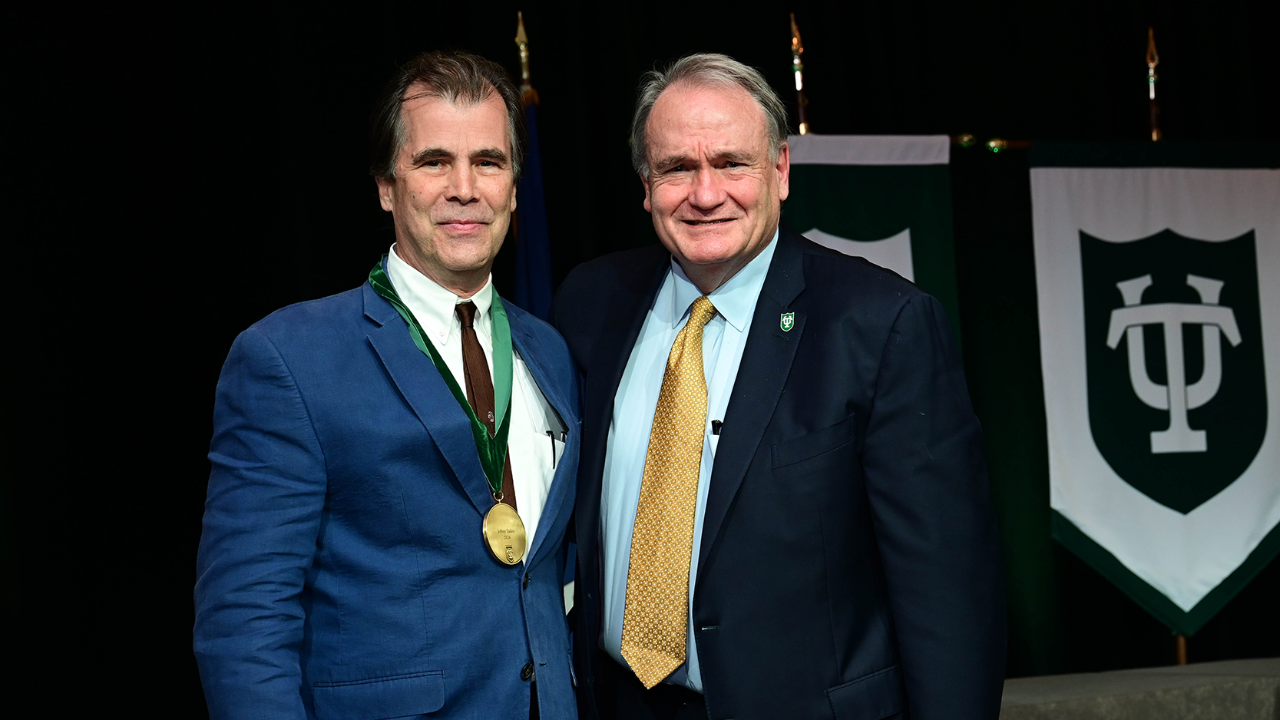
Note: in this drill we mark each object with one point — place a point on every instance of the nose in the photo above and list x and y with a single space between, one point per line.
462 185
708 190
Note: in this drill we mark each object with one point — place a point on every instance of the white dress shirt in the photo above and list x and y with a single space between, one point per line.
532 453
723 340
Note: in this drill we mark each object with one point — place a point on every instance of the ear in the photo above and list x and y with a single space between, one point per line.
784 172
514 187
386 192
648 206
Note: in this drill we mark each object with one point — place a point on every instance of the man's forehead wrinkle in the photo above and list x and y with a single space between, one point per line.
429 131
707 117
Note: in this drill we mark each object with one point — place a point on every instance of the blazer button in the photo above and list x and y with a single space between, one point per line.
526 672
526 581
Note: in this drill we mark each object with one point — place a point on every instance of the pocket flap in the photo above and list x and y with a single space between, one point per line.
815 443
870 697
380 698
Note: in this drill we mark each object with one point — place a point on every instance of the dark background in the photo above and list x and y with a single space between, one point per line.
177 174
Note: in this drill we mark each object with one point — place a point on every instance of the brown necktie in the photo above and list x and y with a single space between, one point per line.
480 388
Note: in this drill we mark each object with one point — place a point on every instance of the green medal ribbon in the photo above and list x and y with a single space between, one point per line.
492 449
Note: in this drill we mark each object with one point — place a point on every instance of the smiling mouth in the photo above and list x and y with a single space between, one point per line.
464 225
700 223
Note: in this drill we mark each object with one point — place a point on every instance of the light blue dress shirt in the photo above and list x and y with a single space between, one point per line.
723 339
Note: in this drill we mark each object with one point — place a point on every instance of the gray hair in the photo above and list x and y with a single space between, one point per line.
706 69
457 77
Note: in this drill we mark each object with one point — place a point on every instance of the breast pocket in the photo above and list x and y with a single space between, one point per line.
832 445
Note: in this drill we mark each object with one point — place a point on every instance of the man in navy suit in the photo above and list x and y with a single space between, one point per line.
362 554
822 543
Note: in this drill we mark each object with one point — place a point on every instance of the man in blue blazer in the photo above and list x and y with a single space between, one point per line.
797 526
394 467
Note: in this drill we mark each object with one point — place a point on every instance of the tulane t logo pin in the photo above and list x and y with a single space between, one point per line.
788 321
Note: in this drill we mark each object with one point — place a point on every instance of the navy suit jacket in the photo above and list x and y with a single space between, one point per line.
850 566
341 570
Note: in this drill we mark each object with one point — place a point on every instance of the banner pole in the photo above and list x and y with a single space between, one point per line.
1153 59
532 289
527 93
797 67
1181 644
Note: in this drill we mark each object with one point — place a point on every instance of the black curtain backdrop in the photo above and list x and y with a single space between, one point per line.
177 174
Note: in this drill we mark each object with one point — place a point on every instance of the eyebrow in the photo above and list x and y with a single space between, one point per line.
730 155
431 153
437 153
490 154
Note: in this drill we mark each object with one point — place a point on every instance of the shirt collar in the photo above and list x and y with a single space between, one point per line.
735 300
431 304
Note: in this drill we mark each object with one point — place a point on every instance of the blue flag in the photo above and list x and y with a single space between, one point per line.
533 246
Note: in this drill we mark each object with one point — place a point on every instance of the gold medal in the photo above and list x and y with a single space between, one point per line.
504 534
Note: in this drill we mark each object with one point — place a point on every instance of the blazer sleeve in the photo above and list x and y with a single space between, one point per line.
262 516
934 522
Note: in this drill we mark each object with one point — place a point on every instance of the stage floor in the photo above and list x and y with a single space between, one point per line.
1228 690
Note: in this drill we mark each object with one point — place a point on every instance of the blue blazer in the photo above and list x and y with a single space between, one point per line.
341 571
849 565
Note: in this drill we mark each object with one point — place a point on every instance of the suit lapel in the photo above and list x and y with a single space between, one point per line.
426 393
765 366
526 343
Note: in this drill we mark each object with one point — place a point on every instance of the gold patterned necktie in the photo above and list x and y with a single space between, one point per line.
654 623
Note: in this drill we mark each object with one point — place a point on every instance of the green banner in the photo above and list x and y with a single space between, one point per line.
885 198
1158 283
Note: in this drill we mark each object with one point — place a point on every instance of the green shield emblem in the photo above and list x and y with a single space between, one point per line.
1174 358
788 321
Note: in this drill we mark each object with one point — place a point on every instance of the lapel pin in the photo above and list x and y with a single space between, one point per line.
788 321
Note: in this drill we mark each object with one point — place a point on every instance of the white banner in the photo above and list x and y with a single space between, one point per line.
1159 308
870 149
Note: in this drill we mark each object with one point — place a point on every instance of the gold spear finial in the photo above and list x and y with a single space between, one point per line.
797 67
1153 59
527 93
